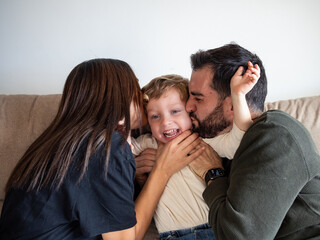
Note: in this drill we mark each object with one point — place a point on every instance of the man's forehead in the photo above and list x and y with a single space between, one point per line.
201 80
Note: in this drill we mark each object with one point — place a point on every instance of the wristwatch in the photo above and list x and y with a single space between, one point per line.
214 173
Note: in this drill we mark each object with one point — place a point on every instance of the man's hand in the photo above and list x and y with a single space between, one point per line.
144 164
207 160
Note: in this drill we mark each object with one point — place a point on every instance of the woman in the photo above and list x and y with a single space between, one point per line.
76 180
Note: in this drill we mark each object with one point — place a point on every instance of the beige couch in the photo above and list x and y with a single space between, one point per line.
24 117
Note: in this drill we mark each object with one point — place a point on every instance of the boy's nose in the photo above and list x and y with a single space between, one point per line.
166 120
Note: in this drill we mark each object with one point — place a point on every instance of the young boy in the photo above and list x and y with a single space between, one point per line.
181 208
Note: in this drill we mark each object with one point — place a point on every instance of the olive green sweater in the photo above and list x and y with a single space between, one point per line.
273 187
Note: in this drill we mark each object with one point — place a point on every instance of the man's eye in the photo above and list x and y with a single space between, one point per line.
196 98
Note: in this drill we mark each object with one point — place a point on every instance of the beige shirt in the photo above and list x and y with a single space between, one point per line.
226 144
181 204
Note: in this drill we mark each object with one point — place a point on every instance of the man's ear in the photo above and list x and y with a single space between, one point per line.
228 108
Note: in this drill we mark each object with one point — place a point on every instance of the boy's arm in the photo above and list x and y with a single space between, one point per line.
240 86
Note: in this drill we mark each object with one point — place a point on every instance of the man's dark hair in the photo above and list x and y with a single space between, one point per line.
224 62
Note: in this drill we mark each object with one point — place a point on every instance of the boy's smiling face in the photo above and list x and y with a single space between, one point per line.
167 116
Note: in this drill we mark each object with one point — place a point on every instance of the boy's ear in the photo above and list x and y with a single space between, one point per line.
228 108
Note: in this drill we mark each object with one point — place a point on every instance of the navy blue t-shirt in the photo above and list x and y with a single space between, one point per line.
98 204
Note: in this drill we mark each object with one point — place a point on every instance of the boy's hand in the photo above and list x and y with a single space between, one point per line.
144 164
242 84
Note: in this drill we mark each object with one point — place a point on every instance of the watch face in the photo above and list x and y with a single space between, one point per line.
219 172
214 173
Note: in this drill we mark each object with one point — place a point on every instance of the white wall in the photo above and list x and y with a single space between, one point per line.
42 40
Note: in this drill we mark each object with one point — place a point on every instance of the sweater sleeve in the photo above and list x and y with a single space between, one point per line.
267 173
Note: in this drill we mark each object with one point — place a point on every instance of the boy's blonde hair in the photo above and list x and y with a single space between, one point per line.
159 85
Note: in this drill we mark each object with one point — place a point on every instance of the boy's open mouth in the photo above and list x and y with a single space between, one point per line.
172 133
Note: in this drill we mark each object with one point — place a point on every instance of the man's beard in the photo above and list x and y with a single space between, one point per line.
214 123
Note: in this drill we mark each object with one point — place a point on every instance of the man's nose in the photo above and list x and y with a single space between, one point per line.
190 106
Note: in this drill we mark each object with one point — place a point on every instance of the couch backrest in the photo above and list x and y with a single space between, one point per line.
24 117
306 110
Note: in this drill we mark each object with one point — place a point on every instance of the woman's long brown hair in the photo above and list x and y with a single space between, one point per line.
96 96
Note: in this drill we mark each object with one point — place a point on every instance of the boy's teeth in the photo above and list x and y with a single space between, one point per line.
170 133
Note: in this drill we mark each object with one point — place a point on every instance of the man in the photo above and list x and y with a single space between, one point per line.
271 189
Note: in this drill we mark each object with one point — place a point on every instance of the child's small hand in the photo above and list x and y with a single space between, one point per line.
242 84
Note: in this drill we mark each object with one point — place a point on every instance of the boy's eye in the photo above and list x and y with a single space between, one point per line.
175 111
154 116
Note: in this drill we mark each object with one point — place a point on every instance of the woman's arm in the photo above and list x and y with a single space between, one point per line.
120 235
171 158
